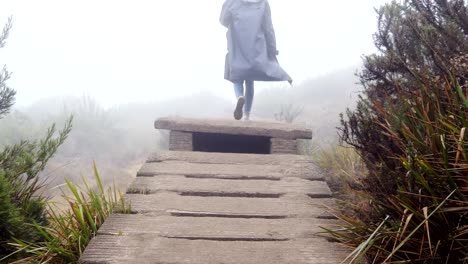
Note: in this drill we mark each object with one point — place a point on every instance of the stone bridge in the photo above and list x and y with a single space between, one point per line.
225 192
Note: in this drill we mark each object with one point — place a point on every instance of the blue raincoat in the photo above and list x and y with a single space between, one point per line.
251 42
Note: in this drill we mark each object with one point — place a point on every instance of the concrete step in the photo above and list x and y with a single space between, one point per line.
233 188
227 126
229 158
289 205
229 171
214 228
146 248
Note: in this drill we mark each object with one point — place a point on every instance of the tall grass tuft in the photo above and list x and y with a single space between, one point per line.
342 165
424 218
69 231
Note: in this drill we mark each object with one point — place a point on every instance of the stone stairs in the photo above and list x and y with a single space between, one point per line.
213 199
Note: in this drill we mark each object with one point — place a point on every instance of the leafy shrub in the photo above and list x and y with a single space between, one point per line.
68 232
409 127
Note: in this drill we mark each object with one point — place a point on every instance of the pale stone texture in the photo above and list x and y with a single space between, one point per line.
283 146
180 141
196 207
232 127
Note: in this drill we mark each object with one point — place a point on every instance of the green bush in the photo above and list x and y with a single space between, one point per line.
69 231
409 128
32 229
426 220
22 203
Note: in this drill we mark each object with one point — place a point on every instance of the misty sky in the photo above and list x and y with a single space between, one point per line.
125 51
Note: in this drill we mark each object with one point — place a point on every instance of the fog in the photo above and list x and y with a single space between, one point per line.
116 66
120 138
133 51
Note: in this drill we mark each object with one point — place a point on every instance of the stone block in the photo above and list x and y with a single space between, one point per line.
180 141
283 146
233 127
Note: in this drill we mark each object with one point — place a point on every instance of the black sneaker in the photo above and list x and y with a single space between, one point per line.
238 111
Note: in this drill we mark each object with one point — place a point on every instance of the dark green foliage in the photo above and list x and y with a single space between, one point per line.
69 232
19 168
409 128
7 95
418 40
22 203
10 217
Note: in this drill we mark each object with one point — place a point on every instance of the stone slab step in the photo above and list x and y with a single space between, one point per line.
233 188
284 206
236 171
145 248
228 158
223 229
232 127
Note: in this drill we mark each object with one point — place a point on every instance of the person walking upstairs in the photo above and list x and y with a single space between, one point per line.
251 50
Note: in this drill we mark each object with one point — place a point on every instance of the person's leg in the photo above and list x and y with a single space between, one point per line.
239 90
249 96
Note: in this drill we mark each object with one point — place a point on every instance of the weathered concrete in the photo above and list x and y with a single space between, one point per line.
285 206
193 207
223 187
180 141
215 228
240 171
283 146
229 158
153 249
232 127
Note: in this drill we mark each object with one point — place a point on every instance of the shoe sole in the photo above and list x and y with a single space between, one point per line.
238 111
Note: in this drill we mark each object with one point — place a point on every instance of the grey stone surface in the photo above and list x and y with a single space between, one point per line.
146 248
180 141
191 207
241 188
214 227
247 171
229 158
233 127
283 146
164 203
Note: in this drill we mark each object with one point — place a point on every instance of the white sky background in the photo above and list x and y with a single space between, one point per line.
121 51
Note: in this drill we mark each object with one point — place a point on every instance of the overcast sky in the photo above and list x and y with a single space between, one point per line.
148 50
